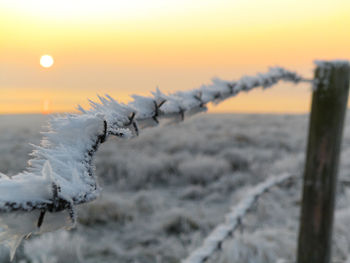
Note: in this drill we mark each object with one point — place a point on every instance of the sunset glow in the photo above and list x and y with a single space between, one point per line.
46 106
126 47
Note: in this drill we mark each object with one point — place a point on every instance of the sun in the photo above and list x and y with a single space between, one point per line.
46 61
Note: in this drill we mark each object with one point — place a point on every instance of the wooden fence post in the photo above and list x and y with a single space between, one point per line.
329 101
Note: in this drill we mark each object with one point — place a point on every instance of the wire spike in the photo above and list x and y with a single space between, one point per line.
134 124
41 218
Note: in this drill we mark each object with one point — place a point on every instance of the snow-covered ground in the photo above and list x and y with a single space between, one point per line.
164 191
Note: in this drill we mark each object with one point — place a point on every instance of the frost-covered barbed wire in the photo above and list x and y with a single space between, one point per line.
61 173
213 242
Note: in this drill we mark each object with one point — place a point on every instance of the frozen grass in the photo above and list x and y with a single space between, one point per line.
155 207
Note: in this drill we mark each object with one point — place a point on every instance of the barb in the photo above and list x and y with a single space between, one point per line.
133 123
182 114
198 96
41 218
233 219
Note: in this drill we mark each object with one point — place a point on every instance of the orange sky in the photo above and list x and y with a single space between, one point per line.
126 47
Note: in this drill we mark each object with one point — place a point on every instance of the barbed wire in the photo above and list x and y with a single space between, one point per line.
72 140
61 173
213 242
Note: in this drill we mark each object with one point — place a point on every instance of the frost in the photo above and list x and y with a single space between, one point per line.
324 70
46 248
18 225
232 220
61 174
334 63
203 169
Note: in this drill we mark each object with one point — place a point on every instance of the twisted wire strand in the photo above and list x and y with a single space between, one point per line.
213 242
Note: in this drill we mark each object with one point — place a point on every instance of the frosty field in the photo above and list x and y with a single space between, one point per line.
164 191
